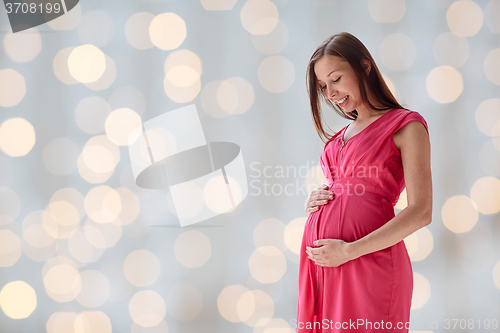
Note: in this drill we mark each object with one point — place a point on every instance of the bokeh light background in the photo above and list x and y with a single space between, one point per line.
83 249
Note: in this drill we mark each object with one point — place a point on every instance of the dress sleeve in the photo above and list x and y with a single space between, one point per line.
412 116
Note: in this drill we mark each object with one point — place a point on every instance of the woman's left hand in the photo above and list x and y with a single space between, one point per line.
330 252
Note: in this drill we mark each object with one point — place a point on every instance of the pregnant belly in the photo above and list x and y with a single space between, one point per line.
350 216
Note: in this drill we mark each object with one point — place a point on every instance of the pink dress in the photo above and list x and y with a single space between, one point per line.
375 288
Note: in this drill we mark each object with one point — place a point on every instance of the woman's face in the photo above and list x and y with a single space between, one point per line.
338 82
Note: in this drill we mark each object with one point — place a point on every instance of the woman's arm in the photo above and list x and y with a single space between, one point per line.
413 142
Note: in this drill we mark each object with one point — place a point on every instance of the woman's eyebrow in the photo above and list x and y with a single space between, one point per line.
335 70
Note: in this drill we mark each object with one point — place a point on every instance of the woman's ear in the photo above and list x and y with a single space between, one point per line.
367 65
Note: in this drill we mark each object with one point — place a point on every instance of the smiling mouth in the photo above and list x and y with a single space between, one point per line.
342 101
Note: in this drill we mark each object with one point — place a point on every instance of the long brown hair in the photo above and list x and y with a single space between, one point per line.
352 50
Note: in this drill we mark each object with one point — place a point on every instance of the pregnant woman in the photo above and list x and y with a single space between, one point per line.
355 274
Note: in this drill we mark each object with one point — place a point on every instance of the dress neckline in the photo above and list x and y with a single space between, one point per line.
345 129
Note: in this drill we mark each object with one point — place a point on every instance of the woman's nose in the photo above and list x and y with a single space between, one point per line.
330 94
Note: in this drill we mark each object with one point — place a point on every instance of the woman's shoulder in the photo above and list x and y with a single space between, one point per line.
406 116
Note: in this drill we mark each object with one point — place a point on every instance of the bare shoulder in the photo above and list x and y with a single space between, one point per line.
411 134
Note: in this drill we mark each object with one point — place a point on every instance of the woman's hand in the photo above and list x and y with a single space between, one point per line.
330 252
318 197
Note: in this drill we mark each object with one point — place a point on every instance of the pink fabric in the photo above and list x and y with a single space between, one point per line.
376 287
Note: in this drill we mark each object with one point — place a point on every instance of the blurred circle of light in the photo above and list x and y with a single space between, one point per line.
103 204
398 52
192 249
137 30
147 308
182 84
491 15
387 11
11 205
12 87
64 213
489 158
60 156
141 268
86 63
60 66
235 95
69 20
419 244
39 254
421 291
91 113
62 282
273 42
459 213
23 46
486 195
18 299
259 17
182 76
107 78
72 196
222 98
96 27
92 322
488 115
100 154
128 97
275 325
94 235
183 58
61 322
218 5
95 289
53 228
255 308
103 235
491 66
392 87
227 301
270 232
465 18
82 249
314 178
130 206
444 84
209 101
167 31
10 248
293 234
267 264
216 188
184 302
450 49
162 327
120 123
17 136
34 233
276 74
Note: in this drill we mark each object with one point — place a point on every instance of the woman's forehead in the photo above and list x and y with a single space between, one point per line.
329 65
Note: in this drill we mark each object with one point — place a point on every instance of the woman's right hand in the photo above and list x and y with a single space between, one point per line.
318 197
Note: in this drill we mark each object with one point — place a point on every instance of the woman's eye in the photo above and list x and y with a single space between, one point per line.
323 88
337 79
